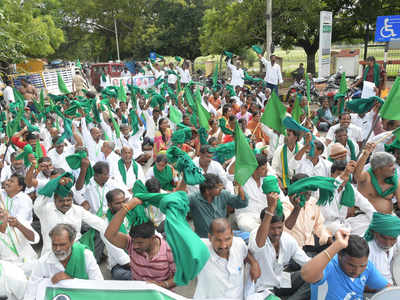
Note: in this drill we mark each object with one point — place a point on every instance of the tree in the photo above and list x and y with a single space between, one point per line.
26 32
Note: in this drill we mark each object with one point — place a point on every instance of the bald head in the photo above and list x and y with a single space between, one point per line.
219 225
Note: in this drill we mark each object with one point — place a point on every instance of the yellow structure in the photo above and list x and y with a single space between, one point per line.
31 66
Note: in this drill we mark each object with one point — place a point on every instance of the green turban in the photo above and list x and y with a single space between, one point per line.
54 186
383 224
270 185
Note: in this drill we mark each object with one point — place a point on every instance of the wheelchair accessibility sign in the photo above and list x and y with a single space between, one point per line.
387 28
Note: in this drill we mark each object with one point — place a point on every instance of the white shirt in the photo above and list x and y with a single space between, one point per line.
130 176
237 75
273 73
172 79
94 149
48 265
8 95
12 281
185 75
50 216
272 274
380 147
277 162
19 206
364 123
133 141
157 74
95 194
348 156
112 160
382 259
117 256
305 166
353 133
222 278
213 168
59 160
335 214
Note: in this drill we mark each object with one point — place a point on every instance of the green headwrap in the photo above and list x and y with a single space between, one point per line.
384 224
54 186
74 162
270 185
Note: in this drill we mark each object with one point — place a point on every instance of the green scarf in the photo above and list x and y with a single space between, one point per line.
122 169
25 155
390 180
54 186
190 253
348 198
74 162
361 106
388 225
222 125
352 150
122 228
223 152
165 177
76 267
284 162
270 185
376 74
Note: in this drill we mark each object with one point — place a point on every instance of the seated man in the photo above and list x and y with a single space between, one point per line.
343 276
325 117
223 274
382 241
354 132
211 202
305 223
341 137
151 257
273 249
379 184
339 213
67 260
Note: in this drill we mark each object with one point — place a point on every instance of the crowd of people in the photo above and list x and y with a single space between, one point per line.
146 180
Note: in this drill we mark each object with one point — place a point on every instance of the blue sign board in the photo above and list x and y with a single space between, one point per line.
153 55
387 28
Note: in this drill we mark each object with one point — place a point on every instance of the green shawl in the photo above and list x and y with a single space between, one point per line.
222 125
388 225
376 74
190 253
390 180
74 162
54 186
122 169
352 150
165 177
284 162
76 267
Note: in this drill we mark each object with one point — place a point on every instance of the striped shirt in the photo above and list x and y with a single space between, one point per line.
159 268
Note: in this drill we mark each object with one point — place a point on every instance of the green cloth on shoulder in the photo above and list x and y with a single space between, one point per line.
384 224
122 169
54 186
76 267
74 162
393 180
190 253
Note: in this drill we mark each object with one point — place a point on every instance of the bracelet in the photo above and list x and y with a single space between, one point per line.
166 284
327 254
124 206
269 213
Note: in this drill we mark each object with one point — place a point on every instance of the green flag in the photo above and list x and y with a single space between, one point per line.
274 114
215 78
175 115
343 84
202 113
18 96
246 162
115 124
390 109
78 64
297 111
121 92
61 84
38 150
308 88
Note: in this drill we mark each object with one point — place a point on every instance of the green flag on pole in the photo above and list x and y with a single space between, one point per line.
343 84
61 84
308 88
115 124
78 64
274 114
121 92
390 109
202 113
246 162
297 111
175 115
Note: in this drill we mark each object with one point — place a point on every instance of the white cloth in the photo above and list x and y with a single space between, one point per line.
272 274
364 123
133 141
59 160
116 256
48 265
13 281
50 216
157 74
45 136
172 79
380 147
8 95
150 125
273 74
382 259
277 162
305 166
112 160
19 206
237 75
213 168
335 214
94 149
353 133
185 75
222 278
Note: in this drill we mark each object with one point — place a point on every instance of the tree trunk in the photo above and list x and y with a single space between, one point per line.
311 59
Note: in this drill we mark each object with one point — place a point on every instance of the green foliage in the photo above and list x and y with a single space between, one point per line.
26 31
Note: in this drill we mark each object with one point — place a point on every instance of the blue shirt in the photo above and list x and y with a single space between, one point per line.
336 285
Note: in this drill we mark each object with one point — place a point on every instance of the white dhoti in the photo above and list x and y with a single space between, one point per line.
12 281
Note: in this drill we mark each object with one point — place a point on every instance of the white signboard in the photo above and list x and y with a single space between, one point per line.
325 38
143 82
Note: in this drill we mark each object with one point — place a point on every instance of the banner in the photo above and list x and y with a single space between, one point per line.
78 289
325 38
143 82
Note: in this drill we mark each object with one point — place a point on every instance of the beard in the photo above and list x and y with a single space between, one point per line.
62 255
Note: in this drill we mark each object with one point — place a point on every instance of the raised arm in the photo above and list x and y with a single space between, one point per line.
359 174
85 163
313 270
263 230
112 233
291 220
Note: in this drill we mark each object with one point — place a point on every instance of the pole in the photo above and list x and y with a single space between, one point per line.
268 40
116 36
385 55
